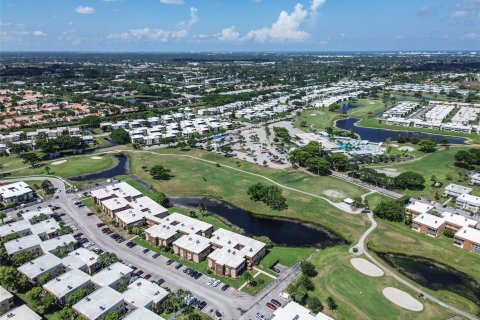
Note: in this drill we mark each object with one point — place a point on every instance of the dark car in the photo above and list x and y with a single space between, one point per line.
202 305
101 224
187 270
275 270
160 281
218 314
139 272
198 275
90 213
148 276
156 255
169 262
145 251
225 287
271 306
276 303
178 266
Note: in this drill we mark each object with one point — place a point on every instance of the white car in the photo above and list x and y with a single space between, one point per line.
215 283
210 282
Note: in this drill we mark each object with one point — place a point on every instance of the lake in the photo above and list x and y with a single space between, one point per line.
281 232
119 169
434 276
381 135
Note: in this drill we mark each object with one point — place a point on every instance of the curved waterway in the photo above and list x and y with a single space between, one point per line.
280 231
434 276
381 135
119 169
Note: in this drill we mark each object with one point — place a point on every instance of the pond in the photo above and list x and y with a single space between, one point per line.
381 135
281 232
119 169
347 107
434 276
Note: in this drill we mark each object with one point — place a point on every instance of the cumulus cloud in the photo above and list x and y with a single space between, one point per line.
471 36
316 4
459 14
85 10
148 34
467 9
193 19
285 29
39 33
172 1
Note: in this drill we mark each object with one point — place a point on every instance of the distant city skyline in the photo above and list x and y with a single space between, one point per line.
240 25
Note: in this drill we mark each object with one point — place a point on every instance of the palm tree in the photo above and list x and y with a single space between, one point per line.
3 215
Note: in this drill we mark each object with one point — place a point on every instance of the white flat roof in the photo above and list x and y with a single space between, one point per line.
226 238
21 313
98 302
469 234
162 231
193 243
4 294
54 243
66 283
79 258
459 220
456 188
14 189
143 314
111 274
23 243
33 213
294 311
429 220
142 292
40 265
186 224
45 227
420 207
469 198
14 227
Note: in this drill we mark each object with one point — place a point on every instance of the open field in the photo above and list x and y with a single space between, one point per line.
359 296
317 119
74 166
440 164
262 281
194 177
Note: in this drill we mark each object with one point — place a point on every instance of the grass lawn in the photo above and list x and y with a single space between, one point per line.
359 296
440 164
316 119
286 256
366 108
35 184
196 178
185 316
373 123
262 282
74 166
374 199
11 162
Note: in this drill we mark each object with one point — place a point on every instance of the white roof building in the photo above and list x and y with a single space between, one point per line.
143 314
27 243
17 191
418 207
99 303
429 220
21 313
294 311
144 293
193 243
47 263
458 220
80 259
454 190
54 243
20 227
110 275
63 285
470 234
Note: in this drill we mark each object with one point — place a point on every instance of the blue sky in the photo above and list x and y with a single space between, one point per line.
239 25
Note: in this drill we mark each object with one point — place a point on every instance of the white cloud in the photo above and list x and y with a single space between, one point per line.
316 4
229 34
286 28
471 36
85 10
149 34
172 1
39 33
460 14
193 19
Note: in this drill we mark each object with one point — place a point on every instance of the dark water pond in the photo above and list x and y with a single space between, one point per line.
119 169
381 135
348 107
434 276
281 232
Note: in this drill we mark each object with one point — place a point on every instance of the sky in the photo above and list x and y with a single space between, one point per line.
239 25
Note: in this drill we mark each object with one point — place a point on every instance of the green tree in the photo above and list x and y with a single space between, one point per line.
66 313
120 136
390 210
332 305
314 304
107 259
12 279
76 296
305 282
161 198
22 257
123 283
158 172
113 315
427 145
48 301
44 278
31 158
409 180
308 269
318 165
91 121
3 215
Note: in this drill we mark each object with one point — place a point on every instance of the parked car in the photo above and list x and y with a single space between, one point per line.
215 283
218 315
160 281
201 305
100 224
271 306
275 270
276 303
169 262
139 272
260 316
178 266
156 255
225 287
89 213
145 250
148 276
198 275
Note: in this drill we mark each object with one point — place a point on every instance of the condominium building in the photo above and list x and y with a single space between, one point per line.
192 247
100 303
21 313
21 228
143 314
47 263
456 221
6 301
455 190
428 224
111 275
142 293
469 202
16 192
295 311
475 179
468 238
82 259
30 243
62 286
416 208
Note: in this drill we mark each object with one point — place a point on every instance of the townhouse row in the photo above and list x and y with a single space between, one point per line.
16 192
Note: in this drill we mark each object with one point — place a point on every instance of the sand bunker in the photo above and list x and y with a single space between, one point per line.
96 158
334 194
406 148
366 267
56 163
313 114
402 299
389 172
394 145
